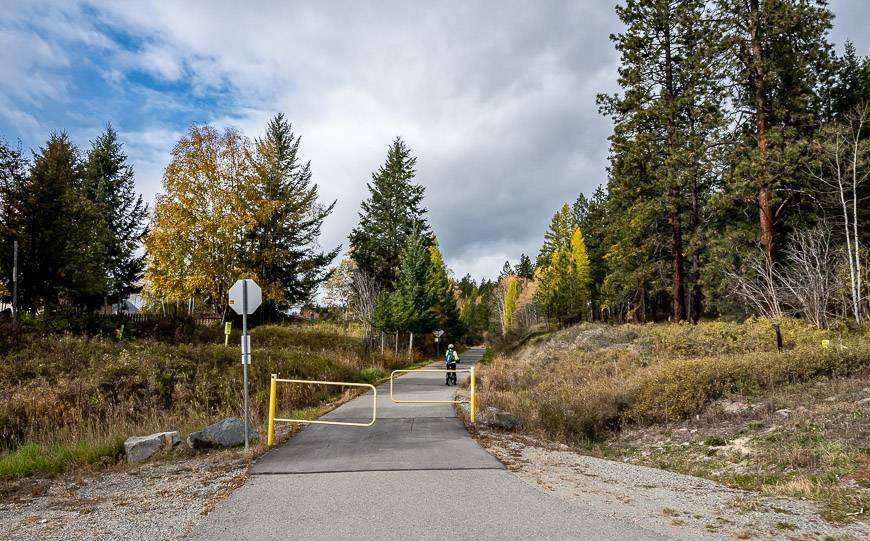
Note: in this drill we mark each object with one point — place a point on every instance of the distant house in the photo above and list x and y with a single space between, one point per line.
125 307
310 314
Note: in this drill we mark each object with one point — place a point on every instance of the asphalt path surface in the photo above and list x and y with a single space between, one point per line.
415 474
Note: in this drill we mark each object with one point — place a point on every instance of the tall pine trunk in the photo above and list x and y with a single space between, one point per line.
765 192
677 279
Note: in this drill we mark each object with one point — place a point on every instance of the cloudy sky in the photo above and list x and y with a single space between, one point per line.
496 98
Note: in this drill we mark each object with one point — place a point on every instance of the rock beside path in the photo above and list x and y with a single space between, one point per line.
501 419
141 448
227 433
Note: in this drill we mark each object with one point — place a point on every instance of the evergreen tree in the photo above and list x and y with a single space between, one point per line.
563 283
593 223
778 58
109 184
442 295
282 247
389 216
525 268
559 234
667 106
467 285
851 87
410 303
62 235
506 270
13 174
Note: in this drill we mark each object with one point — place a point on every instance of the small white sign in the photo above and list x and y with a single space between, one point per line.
438 333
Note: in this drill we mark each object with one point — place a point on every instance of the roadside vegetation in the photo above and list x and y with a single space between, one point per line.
70 401
715 400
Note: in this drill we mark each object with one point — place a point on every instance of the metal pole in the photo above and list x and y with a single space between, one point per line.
15 288
473 397
245 354
272 399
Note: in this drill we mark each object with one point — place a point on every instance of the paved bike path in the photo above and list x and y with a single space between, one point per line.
415 474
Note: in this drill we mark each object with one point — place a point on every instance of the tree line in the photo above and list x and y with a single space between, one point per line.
232 207
738 162
78 223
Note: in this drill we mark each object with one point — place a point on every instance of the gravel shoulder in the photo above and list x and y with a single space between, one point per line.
158 500
658 500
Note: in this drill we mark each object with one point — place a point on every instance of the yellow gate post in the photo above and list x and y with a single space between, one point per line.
273 389
273 400
472 396
472 400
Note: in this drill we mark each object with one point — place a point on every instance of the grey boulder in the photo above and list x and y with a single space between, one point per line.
501 419
227 433
141 448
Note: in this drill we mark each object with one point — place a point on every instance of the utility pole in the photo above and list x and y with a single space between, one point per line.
15 289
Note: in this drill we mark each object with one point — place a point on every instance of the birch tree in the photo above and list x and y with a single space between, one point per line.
843 167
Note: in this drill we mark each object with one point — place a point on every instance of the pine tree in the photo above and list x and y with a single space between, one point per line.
669 102
778 58
559 234
282 249
525 268
109 183
13 174
389 216
563 282
593 222
506 270
61 233
852 85
410 302
442 295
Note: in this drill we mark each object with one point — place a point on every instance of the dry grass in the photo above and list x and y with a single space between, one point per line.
76 399
701 401
583 383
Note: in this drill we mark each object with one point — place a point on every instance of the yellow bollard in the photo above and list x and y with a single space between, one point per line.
825 344
272 395
473 416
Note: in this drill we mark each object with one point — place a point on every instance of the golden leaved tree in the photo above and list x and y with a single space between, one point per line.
194 245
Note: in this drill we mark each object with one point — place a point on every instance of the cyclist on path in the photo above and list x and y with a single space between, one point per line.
452 357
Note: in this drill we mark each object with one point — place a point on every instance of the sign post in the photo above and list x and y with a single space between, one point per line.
438 334
15 290
245 297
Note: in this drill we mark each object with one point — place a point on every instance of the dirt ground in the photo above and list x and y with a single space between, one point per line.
661 500
156 500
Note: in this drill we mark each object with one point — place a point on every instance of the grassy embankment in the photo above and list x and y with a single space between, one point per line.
714 400
69 401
